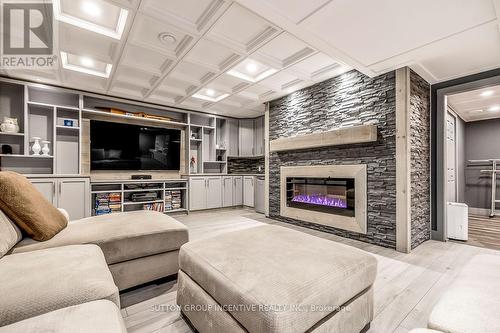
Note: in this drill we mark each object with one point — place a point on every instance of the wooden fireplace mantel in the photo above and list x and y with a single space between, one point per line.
336 137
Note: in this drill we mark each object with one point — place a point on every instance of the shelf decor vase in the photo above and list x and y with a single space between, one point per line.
9 125
36 148
45 148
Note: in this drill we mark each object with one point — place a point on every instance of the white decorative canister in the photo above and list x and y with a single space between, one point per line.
36 148
9 125
45 148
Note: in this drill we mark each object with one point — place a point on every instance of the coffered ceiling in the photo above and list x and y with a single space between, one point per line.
229 57
209 55
440 40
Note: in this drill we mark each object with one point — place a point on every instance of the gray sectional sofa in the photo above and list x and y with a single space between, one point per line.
78 273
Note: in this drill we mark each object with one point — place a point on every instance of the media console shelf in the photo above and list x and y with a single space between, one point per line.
167 196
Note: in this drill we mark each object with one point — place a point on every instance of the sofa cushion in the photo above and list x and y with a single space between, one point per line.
27 207
42 281
472 302
289 271
121 236
10 234
98 316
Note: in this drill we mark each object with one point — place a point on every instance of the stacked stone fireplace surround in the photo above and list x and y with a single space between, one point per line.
347 100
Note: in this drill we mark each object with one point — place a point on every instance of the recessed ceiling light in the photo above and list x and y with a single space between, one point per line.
487 93
167 38
494 108
210 95
91 8
251 67
87 62
251 70
82 68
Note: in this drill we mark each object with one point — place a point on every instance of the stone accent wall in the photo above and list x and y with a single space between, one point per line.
346 100
419 159
245 165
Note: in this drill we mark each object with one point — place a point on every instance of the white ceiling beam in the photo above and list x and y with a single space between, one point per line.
269 13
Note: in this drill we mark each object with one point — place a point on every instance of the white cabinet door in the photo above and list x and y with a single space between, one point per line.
232 147
259 136
197 193
227 191
214 192
74 196
48 188
246 137
248 191
237 190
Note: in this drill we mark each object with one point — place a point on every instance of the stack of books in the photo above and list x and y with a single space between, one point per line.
158 207
173 200
102 204
106 203
115 202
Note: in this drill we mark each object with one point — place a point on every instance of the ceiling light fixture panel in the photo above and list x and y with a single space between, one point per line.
251 70
211 95
85 65
91 8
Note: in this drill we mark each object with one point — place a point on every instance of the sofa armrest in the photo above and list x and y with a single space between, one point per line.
65 213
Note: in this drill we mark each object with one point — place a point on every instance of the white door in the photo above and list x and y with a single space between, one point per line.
237 190
197 193
227 191
451 176
73 196
248 191
47 187
214 192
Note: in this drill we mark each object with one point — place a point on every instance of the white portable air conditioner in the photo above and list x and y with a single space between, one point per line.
457 221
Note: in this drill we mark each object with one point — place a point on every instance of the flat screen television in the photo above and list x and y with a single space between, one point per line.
116 146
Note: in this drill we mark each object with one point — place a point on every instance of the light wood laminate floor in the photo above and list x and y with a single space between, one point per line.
406 288
484 231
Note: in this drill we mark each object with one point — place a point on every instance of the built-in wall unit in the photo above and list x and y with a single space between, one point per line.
81 150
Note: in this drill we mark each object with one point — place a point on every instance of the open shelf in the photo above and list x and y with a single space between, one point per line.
67 127
141 202
91 113
11 134
26 156
74 109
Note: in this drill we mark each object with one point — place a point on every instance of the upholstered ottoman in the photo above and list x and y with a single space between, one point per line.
275 280
98 316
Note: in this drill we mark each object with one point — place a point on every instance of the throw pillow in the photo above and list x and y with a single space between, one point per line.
10 234
27 207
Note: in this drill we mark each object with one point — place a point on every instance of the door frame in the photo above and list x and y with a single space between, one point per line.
438 141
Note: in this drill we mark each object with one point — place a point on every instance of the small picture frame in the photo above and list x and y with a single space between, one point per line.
68 123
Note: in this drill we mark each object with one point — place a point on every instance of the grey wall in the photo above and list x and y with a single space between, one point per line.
349 99
420 154
482 141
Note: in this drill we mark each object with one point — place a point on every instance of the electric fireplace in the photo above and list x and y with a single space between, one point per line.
331 195
327 195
